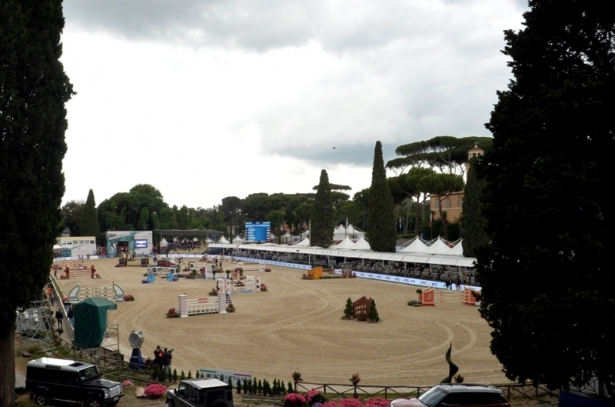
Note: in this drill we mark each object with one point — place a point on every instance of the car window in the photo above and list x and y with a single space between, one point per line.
451 400
432 397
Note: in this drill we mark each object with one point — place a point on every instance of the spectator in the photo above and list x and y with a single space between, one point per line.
59 318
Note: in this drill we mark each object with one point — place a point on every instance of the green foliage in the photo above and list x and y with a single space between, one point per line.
239 386
33 92
452 368
182 376
174 375
447 153
373 312
322 222
442 185
189 374
71 216
472 221
550 170
89 218
381 217
196 374
290 388
348 310
259 387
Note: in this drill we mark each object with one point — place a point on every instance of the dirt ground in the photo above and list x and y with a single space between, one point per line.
297 326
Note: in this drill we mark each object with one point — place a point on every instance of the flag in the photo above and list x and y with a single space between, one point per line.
430 218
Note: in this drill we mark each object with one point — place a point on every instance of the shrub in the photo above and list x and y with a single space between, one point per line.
294 400
230 308
315 396
155 391
377 402
129 297
350 402
213 292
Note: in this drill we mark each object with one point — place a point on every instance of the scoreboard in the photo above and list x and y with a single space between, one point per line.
258 231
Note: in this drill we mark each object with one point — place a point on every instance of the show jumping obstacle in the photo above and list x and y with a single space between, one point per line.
113 293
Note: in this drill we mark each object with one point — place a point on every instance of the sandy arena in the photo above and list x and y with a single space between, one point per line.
297 326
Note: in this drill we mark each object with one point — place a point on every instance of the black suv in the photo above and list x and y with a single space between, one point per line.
49 380
205 392
467 395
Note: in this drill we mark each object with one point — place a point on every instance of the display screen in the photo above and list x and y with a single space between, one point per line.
258 231
141 244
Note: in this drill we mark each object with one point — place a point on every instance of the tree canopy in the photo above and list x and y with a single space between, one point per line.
447 153
33 92
549 172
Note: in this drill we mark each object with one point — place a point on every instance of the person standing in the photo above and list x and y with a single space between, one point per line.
158 356
166 359
52 297
59 318
71 317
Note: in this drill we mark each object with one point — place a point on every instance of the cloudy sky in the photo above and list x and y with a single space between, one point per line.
210 98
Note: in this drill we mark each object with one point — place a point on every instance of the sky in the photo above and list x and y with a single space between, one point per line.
205 99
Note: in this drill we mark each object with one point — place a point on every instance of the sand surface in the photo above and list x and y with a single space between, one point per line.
297 326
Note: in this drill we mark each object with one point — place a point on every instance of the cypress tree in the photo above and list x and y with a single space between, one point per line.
33 92
472 221
348 311
550 217
373 312
381 212
88 225
321 233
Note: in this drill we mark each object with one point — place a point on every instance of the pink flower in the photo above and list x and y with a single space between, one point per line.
127 383
330 404
350 403
377 402
155 391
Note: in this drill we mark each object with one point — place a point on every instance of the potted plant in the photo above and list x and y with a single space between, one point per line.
230 308
171 313
297 377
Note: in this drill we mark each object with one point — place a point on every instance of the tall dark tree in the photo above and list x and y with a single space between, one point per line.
322 223
549 170
88 224
381 213
472 221
33 92
231 208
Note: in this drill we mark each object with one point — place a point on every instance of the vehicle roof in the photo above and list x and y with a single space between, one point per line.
205 383
59 364
468 388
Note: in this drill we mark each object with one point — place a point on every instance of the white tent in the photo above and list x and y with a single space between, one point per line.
304 234
417 246
286 237
223 240
458 249
362 244
354 232
163 242
438 247
345 244
208 240
238 239
339 233
304 243
57 247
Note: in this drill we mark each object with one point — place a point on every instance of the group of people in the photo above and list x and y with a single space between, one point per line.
162 357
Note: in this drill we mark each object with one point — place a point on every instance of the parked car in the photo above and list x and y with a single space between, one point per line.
166 263
204 392
467 395
50 380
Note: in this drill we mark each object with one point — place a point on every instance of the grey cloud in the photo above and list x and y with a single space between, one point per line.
268 24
